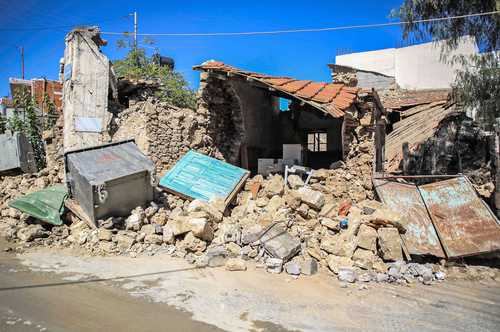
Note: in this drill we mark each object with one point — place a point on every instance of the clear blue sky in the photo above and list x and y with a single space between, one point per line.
303 55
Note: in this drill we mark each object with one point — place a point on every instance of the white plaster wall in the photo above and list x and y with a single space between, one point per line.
414 67
420 67
381 61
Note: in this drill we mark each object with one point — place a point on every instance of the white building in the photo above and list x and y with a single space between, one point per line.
414 67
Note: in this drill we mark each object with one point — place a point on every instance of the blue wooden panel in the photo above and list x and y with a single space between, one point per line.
201 177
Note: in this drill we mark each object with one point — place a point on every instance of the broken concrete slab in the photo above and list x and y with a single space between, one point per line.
278 243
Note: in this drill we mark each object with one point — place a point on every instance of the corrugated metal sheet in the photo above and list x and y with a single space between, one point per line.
198 176
466 226
333 99
420 237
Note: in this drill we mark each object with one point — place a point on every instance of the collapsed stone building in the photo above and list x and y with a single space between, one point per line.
333 223
249 122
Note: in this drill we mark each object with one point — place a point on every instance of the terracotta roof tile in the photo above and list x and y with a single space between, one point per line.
311 90
328 93
333 99
294 86
277 80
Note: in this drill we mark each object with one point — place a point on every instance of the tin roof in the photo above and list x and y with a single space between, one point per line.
331 98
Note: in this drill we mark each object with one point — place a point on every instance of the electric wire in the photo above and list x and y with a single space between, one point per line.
288 31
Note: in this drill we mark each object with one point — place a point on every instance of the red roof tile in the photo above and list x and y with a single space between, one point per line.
294 86
277 81
333 99
311 90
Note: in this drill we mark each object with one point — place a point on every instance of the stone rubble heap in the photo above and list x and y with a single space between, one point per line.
332 225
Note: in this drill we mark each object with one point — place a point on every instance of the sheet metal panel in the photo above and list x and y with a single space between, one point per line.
420 237
198 176
466 226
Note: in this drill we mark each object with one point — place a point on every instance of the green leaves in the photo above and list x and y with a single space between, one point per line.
174 89
477 84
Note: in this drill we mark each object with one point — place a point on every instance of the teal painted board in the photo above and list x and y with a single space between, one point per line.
201 177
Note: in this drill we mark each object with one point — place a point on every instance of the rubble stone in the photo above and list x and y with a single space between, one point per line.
335 263
314 199
390 244
135 220
216 256
295 181
279 243
31 232
104 234
274 186
233 249
124 241
308 266
201 228
292 268
274 265
153 239
192 244
347 274
367 238
251 234
150 229
235 264
363 258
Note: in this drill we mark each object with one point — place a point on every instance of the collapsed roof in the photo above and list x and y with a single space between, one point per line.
331 98
415 129
410 98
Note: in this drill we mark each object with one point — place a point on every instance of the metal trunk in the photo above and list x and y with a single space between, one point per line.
110 179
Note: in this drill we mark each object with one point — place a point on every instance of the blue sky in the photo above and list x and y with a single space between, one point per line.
303 55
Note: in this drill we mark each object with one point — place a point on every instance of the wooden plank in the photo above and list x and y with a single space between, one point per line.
74 207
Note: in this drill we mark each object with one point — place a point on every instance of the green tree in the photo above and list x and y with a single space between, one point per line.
25 120
51 113
174 89
478 84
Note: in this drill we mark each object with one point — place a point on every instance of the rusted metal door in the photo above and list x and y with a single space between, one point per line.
465 224
420 237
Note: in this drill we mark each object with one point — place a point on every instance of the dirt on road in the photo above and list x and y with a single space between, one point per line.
47 290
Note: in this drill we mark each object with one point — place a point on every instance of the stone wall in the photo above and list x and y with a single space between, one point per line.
164 132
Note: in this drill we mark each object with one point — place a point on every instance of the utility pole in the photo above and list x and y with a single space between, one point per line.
22 62
135 31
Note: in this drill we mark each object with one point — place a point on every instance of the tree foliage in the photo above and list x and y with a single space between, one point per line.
477 83
174 88
26 120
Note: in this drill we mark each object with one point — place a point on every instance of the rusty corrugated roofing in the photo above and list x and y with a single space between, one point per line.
333 99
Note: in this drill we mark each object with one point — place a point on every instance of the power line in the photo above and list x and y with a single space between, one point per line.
276 32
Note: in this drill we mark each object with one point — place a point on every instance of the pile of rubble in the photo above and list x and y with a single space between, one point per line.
332 225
